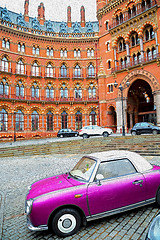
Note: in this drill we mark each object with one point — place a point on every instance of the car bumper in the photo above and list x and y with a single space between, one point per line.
33 228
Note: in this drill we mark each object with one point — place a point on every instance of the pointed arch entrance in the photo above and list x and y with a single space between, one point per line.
140 105
141 100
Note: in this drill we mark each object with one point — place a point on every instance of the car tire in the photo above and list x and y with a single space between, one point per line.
66 222
61 135
158 197
134 133
105 134
85 136
154 132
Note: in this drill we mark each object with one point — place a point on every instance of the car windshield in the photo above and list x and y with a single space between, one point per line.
83 169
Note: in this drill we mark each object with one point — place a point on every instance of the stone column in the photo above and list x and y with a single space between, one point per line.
119 114
141 46
115 57
156 42
157 104
128 53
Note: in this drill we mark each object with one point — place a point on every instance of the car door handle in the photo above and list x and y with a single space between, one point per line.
137 182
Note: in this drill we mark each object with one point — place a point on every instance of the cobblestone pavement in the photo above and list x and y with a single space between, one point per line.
19 172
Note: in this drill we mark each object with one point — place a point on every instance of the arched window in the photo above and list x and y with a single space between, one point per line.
5 65
92 91
91 71
19 121
134 59
37 50
35 121
92 118
63 71
129 13
134 39
64 92
49 70
151 33
139 57
19 47
49 121
154 53
4 88
35 90
64 120
122 62
121 17
65 53
77 71
88 53
5 44
23 48
133 11
20 67
146 35
149 55
78 120
109 64
92 52
49 92
19 90
35 69
78 92
121 44
117 20
3 120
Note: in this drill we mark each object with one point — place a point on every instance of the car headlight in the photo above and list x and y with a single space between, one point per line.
29 204
154 229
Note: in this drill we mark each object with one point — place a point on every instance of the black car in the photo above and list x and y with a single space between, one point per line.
154 229
67 132
145 128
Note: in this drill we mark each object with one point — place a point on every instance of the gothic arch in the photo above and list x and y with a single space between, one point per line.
140 74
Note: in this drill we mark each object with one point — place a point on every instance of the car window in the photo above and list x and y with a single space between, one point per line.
144 124
116 168
96 127
137 125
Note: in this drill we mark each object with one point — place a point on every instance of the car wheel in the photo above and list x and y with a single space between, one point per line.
66 222
61 136
85 136
155 132
133 133
158 197
76 135
105 134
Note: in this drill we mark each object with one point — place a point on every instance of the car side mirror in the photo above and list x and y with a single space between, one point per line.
99 177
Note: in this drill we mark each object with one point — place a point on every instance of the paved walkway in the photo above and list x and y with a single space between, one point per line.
19 172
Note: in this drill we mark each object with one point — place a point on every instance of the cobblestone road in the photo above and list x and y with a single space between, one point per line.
18 172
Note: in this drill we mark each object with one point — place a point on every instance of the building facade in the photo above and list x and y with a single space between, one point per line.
57 75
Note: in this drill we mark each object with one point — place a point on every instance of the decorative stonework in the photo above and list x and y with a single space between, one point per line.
140 74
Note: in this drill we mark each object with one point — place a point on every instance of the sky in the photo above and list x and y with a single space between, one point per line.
55 10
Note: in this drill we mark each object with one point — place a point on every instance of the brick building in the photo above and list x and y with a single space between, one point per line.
62 74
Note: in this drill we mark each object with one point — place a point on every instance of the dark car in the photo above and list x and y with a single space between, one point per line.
67 132
154 229
145 128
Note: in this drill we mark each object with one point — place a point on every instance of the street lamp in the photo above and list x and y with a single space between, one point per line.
121 88
14 126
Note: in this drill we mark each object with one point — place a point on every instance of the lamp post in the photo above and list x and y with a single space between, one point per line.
14 126
121 88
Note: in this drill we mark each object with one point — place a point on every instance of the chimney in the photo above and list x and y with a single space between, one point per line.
69 23
26 11
83 16
41 13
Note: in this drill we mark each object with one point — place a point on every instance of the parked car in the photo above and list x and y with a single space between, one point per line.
154 229
144 128
101 184
67 132
94 130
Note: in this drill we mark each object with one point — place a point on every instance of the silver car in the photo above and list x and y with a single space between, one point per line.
94 130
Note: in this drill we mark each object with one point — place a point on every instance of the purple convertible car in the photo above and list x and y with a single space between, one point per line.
101 184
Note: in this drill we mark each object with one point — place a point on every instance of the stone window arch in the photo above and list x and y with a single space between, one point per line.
35 91
64 120
78 120
20 89
49 91
93 118
3 120
50 121
35 120
19 121
4 88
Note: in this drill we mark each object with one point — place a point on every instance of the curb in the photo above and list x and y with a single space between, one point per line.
2 198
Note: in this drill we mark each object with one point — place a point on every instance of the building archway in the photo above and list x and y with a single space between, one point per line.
112 118
140 103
